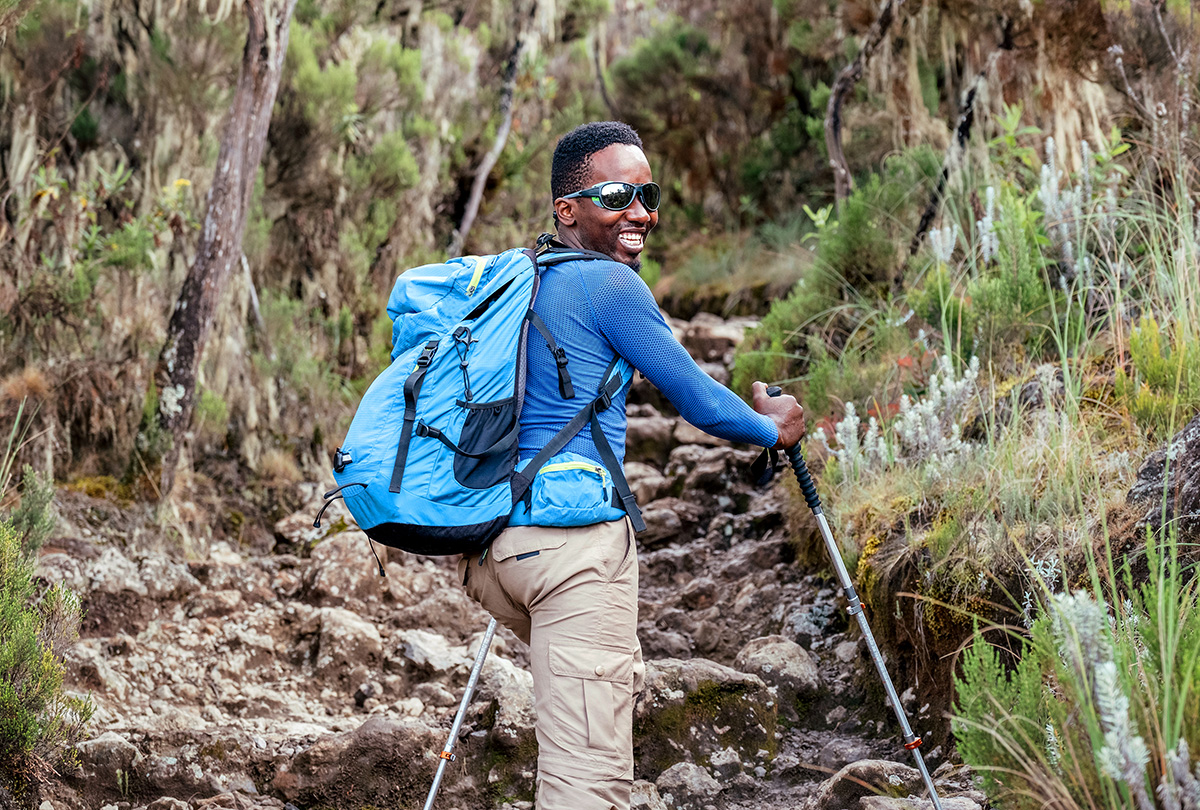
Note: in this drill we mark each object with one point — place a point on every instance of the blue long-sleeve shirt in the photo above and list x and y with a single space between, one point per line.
595 308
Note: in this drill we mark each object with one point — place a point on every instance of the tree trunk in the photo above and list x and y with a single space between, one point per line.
597 44
842 86
459 240
220 247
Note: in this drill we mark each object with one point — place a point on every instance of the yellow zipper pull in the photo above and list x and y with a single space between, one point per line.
479 263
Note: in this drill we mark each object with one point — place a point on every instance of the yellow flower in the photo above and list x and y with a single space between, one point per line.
181 182
83 201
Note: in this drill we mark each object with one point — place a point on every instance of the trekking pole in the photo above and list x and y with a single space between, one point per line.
447 752
911 741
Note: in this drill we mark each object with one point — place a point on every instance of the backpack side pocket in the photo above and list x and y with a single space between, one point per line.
486 427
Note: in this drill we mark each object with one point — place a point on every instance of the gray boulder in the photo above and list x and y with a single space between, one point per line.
1170 478
692 709
431 653
384 762
343 571
109 757
646 482
687 786
649 439
347 641
644 796
868 777
783 664
711 338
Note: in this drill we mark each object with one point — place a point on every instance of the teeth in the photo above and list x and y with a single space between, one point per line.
632 240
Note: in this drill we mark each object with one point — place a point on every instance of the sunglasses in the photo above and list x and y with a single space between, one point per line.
617 196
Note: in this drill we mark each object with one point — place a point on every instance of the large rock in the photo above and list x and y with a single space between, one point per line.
343 570
893 803
347 642
692 709
687 786
430 653
510 690
649 439
644 796
646 482
690 434
662 524
109 758
715 472
382 763
868 777
166 579
783 664
1171 473
114 573
711 338
670 519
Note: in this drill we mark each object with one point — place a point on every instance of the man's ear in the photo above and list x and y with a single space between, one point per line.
564 212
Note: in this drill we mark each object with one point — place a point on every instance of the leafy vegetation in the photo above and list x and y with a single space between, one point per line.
1101 710
38 720
36 717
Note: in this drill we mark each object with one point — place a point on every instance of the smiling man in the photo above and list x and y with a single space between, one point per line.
571 593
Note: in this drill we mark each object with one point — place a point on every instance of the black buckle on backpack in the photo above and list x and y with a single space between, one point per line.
560 357
340 460
427 355
604 401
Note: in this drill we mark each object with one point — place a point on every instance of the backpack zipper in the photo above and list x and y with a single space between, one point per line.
575 465
479 265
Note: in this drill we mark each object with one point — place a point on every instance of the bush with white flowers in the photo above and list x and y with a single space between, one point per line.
926 433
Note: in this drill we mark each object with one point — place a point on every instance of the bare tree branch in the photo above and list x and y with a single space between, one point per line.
508 90
600 82
220 246
954 154
842 85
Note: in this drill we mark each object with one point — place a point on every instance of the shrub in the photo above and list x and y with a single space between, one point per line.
36 718
33 518
927 432
1101 710
1164 389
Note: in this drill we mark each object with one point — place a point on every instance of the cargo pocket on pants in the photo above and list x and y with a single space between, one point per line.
591 687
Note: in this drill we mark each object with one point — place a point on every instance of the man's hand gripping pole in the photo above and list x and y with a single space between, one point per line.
911 741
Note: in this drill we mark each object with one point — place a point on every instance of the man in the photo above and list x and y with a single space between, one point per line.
571 593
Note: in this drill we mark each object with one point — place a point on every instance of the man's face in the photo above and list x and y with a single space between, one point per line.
619 234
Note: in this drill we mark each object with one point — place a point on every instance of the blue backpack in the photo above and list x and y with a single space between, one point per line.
430 463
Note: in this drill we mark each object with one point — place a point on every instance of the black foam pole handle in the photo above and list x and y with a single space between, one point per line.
807 487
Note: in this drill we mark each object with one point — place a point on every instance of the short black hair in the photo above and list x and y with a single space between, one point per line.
573 155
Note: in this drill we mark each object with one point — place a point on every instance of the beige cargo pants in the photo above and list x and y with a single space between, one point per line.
571 595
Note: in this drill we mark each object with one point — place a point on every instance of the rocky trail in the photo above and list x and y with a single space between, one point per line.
295 676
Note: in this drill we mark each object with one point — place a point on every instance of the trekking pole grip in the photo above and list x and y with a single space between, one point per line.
807 487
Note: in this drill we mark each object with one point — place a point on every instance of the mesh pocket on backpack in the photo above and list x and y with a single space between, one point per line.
486 424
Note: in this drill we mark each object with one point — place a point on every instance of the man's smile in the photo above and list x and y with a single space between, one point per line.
633 241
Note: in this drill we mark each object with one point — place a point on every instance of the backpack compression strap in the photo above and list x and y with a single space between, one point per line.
412 389
565 389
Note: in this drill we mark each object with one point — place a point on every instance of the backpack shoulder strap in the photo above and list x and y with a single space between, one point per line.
613 380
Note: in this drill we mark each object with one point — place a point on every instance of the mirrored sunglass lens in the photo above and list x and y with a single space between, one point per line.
651 196
616 196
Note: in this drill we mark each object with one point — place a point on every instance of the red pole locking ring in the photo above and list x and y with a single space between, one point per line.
914 744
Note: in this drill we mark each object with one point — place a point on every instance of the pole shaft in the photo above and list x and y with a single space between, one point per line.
856 610
809 490
448 749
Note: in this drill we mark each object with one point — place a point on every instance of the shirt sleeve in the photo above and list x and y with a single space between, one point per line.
628 317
